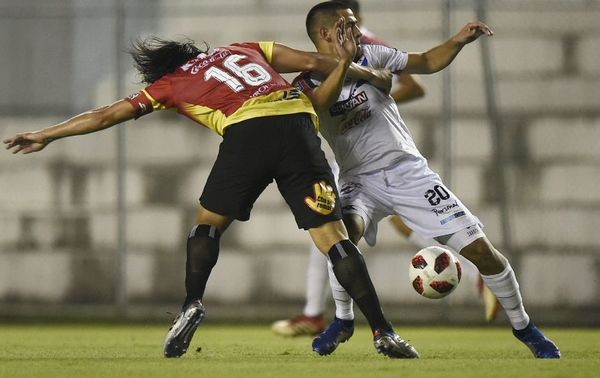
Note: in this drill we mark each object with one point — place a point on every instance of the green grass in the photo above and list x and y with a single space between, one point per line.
67 350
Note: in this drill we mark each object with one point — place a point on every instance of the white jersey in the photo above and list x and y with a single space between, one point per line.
364 128
381 170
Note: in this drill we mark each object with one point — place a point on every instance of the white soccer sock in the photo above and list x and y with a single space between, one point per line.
505 287
420 241
316 283
343 302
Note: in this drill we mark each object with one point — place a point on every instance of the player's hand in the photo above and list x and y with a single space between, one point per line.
27 142
345 45
472 31
382 79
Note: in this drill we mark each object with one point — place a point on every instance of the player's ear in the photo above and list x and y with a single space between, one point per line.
325 34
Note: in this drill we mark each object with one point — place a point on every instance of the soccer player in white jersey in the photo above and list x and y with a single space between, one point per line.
383 173
312 319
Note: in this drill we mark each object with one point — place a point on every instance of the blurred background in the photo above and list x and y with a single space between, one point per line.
94 227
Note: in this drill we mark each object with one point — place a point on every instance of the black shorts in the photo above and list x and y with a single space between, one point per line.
285 148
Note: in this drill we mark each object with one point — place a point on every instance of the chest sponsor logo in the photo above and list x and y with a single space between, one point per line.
358 118
342 107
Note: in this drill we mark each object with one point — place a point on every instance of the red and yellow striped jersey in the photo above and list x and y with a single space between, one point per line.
232 84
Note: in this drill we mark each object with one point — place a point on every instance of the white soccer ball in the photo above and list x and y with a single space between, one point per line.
434 272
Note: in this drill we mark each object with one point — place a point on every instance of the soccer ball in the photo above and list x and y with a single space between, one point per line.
434 272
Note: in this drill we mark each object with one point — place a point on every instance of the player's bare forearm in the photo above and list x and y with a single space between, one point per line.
345 48
328 92
442 55
81 124
84 123
91 121
434 59
286 59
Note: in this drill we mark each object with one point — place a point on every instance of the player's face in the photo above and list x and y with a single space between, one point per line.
351 26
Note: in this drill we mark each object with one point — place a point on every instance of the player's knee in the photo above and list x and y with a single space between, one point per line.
205 230
483 255
207 217
327 235
478 251
355 226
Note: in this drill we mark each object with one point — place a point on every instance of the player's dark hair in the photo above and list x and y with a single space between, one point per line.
354 5
322 14
155 57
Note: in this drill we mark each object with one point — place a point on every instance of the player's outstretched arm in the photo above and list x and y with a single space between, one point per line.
84 123
442 55
287 59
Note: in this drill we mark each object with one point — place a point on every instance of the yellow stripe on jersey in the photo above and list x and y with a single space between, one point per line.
273 104
155 104
267 48
211 118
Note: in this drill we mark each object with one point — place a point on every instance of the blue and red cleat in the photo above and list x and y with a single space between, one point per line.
339 331
387 343
540 345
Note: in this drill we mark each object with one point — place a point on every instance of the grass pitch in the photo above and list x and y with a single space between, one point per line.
253 351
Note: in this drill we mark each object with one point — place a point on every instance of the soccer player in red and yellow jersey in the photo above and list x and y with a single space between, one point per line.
268 134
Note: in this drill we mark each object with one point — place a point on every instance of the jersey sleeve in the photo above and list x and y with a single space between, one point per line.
386 57
153 97
267 49
264 47
141 103
305 82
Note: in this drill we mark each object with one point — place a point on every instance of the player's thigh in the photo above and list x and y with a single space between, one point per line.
304 177
240 173
361 208
427 206
355 224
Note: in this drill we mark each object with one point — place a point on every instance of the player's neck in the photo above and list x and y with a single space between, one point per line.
325 48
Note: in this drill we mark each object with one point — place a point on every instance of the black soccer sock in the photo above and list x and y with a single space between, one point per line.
202 255
351 271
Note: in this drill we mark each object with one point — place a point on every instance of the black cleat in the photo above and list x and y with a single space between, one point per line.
180 334
391 345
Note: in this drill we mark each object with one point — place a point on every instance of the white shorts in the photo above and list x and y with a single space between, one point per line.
411 190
